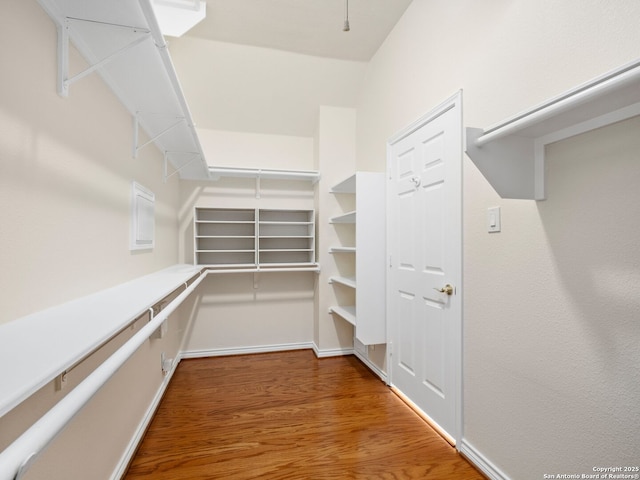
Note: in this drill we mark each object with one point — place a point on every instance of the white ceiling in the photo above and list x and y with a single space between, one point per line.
311 27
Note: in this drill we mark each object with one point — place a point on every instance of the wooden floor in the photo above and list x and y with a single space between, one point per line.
289 415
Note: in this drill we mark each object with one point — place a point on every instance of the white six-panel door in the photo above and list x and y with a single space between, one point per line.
424 240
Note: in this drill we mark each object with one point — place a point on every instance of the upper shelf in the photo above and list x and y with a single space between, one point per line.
510 154
125 46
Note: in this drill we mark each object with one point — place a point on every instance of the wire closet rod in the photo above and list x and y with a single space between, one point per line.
578 96
17 457
275 174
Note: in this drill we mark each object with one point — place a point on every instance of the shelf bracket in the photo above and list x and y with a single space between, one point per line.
506 164
168 175
136 131
64 81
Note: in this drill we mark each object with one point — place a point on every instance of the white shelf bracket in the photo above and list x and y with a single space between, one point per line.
64 81
511 154
168 175
136 132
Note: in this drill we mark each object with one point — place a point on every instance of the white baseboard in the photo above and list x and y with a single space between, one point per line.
480 461
219 352
130 451
374 368
333 352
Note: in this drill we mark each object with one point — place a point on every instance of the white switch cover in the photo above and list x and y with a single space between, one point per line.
493 219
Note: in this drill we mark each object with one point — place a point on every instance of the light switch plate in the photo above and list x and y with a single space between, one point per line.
493 219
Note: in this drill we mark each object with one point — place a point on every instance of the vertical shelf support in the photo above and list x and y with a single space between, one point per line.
63 59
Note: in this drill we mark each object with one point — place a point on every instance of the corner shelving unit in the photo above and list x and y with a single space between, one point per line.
368 313
254 239
511 153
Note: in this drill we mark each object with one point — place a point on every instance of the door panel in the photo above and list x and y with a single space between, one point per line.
424 238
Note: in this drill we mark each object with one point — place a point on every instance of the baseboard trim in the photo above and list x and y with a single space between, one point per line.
130 451
219 352
374 368
333 352
481 462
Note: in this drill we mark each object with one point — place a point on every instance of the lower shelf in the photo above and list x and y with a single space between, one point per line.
346 312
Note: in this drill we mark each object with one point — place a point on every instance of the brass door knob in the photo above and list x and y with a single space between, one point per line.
448 289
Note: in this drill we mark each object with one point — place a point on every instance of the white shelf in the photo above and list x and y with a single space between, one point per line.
345 218
511 153
37 348
254 237
346 312
346 281
342 250
346 186
141 75
370 254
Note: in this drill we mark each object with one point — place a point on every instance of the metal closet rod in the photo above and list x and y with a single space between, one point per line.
578 96
264 173
17 457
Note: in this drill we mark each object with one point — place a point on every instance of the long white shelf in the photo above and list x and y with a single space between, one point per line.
37 348
125 47
511 153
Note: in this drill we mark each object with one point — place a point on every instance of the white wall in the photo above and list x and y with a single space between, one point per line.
550 348
65 179
242 88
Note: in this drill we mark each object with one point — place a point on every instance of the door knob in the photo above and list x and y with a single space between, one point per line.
416 181
448 289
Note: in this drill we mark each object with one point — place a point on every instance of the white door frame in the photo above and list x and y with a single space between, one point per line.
453 102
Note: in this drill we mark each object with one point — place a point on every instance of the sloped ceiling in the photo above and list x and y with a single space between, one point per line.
265 66
310 27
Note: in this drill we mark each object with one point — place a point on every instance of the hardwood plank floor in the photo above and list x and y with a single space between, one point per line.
289 415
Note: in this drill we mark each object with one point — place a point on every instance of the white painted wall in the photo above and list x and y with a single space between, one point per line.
256 150
249 89
550 344
65 179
